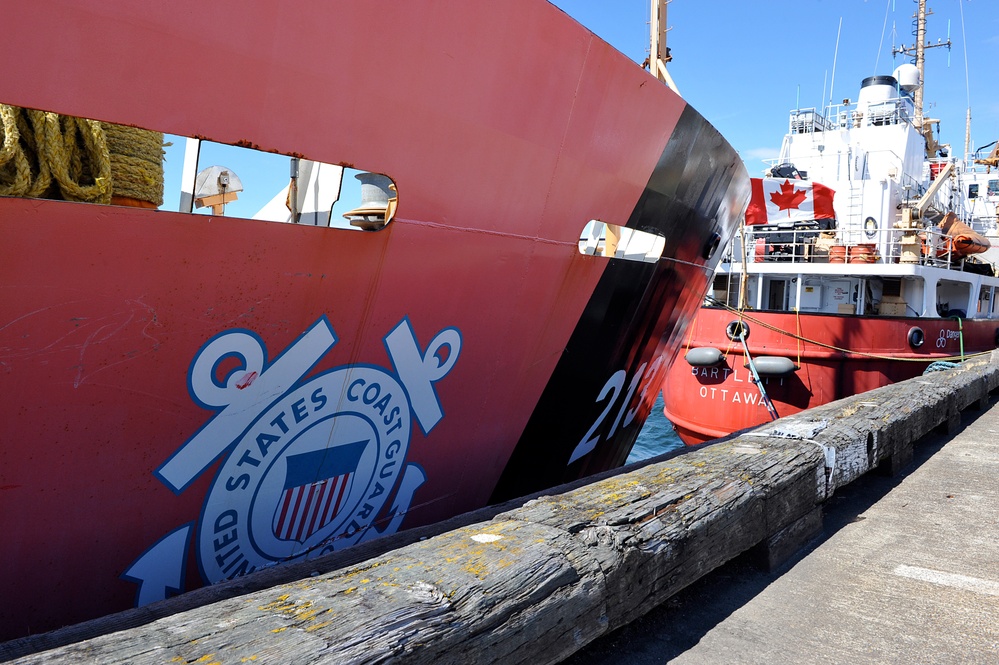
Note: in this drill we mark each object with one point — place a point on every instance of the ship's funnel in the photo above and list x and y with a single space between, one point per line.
876 89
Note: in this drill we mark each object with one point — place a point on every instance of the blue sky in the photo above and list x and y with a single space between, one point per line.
744 64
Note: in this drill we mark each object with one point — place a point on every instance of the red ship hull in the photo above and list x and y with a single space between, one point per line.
705 403
164 375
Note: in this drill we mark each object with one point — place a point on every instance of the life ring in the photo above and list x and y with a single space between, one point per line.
736 330
916 337
870 227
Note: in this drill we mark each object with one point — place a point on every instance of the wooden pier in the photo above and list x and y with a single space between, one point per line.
536 581
906 570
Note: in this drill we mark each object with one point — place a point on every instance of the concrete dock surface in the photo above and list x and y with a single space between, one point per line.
905 571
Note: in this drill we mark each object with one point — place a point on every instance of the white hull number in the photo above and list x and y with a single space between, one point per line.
611 392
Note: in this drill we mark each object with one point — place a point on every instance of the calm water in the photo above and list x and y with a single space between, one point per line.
657 437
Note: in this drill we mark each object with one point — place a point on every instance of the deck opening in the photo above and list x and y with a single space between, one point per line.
620 242
47 155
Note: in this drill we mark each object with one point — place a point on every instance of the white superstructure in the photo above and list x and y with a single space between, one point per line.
884 253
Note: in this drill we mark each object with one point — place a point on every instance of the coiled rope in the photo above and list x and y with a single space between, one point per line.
57 156
939 366
136 163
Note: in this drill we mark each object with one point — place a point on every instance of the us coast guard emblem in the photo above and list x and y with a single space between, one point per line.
310 465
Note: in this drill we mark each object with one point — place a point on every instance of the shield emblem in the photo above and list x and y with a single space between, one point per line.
316 485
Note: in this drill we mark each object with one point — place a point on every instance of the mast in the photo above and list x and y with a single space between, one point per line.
920 60
918 51
659 53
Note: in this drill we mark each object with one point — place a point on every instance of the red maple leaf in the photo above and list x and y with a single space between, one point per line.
789 198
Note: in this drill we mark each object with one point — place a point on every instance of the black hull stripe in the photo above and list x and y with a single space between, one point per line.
698 189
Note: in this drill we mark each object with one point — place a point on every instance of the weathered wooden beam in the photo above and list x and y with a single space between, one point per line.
536 582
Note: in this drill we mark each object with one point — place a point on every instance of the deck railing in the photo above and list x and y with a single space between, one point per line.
810 243
841 116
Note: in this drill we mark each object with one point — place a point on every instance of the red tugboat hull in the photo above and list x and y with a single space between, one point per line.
191 398
709 402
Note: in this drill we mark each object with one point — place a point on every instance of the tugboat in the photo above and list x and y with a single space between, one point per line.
862 261
189 398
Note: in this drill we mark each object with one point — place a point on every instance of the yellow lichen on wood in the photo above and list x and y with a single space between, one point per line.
317 626
304 611
279 605
309 615
478 569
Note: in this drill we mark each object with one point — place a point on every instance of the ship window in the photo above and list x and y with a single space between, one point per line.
973 191
612 241
993 187
120 165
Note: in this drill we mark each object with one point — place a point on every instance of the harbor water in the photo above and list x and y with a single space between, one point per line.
657 436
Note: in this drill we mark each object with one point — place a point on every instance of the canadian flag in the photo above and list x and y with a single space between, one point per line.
785 200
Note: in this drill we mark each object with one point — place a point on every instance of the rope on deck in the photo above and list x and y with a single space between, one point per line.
63 157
